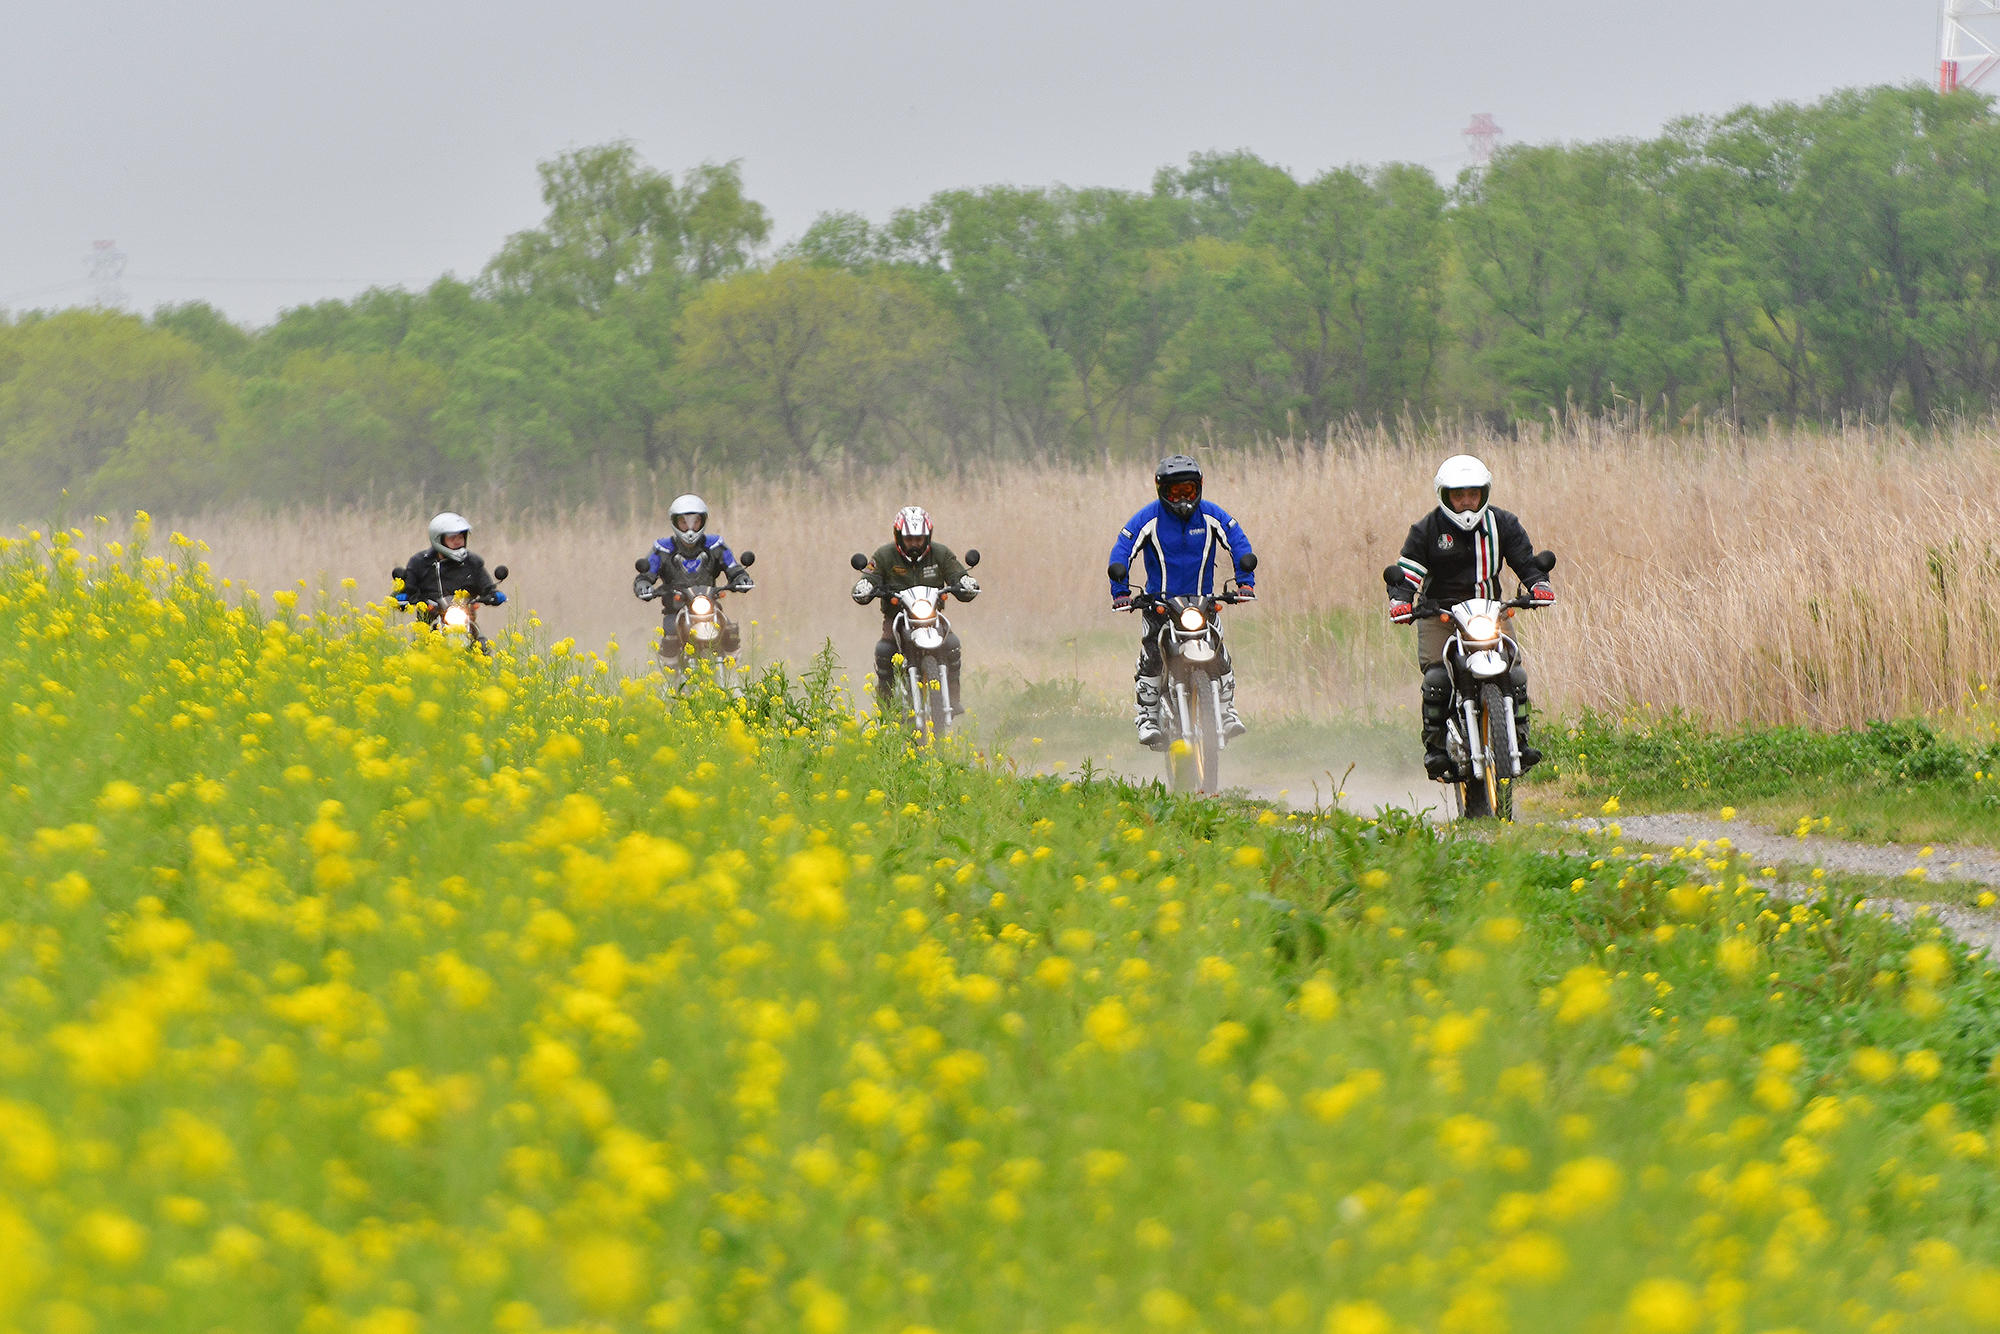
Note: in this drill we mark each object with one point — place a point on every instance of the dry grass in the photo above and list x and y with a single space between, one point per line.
1783 578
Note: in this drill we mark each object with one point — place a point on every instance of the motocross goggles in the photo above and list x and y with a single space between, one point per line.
1181 493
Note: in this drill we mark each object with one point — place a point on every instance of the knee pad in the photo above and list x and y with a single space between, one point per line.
1517 681
1437 685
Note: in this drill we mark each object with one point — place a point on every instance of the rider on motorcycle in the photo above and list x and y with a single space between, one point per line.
693 558
433 576
911 560
1454 553
1180 535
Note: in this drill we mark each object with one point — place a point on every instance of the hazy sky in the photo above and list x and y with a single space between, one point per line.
260 155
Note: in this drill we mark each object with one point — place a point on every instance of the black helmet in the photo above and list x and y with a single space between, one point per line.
1174 472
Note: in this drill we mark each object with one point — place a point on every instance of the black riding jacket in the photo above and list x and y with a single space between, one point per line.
428 577
1442 562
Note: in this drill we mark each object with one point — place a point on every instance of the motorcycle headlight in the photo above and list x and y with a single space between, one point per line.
1192 619
701 606
922 611
1482 628
457 617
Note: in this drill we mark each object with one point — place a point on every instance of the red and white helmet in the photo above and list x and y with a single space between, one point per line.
913 531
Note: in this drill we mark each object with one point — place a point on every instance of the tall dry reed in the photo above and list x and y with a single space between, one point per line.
1781 577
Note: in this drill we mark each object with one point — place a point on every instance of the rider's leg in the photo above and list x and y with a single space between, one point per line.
1232 726
885 667
1432 636
1146 684
731 638
952 657
670 645
1517 686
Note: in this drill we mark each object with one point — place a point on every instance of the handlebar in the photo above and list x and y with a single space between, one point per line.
1442 610
1160 602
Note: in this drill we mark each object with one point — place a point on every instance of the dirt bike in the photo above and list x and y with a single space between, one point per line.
692 617
457 614
918 629
1479 733
1191 688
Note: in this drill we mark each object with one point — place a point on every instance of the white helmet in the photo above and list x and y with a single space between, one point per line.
690 516
1463 470
451 523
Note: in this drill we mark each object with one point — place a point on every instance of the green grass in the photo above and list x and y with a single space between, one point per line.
1902 781
359 985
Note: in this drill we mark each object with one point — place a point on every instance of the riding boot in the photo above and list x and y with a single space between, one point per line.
1530 757
1437 710
951 684
1146 690
1232 726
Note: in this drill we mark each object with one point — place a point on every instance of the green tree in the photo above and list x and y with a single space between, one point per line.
115 412
807 364
614 221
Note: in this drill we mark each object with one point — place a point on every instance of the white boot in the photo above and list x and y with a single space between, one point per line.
1147 719
1232 726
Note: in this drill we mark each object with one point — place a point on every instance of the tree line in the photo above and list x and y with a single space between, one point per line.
1799 262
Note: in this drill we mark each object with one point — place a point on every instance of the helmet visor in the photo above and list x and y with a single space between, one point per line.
913 544
1182 492
456 541
690 523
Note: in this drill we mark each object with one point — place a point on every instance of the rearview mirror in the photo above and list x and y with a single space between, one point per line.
1250 563
642 565
1392 575
1119 573
399 573
858 561
748 558
1547 560
499 574
972 557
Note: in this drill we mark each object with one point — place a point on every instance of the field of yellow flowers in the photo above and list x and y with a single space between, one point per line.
353 982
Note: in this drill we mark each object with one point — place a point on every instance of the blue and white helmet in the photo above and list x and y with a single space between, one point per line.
689 515
1458 472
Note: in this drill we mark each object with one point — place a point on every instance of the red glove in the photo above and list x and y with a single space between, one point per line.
1543 595
1402 613
1121 601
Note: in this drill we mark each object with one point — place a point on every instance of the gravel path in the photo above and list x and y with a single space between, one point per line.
1970 865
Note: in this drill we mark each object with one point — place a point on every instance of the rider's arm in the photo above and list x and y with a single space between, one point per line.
725 559
1121 550
950 567
1411 563
481 581
1518 551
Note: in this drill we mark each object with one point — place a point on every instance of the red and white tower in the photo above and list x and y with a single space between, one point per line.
1968 42
1482 136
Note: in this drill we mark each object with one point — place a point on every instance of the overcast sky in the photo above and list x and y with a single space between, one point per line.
260 155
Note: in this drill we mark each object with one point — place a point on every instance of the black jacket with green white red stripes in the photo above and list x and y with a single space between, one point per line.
1444 563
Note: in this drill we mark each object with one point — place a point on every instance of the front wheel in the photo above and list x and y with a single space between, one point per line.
1494 788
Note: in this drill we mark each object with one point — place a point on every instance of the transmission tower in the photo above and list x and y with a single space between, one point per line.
106 263
1968 42
1482 136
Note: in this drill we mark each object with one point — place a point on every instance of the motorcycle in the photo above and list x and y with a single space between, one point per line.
459 613
692 616
1191 694
918 630
1480 735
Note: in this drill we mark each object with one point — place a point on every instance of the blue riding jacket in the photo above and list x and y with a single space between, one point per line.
708 566
1180 554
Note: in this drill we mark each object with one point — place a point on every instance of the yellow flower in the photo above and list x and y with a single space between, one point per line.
1663 1306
